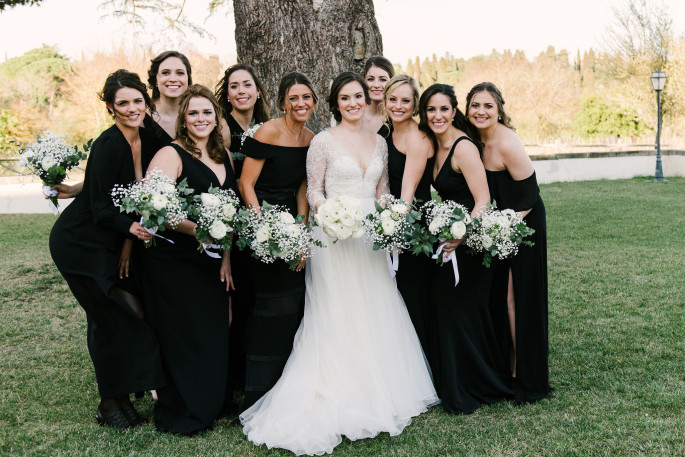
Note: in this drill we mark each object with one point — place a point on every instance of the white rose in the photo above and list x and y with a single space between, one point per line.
344 232
386 214
218 230
486 241
358 233
286 218
389 226
434 226
293 230
168 188
318 219
348 220
458 229
158 201
210 200
399 208
228 211
47 162
262 234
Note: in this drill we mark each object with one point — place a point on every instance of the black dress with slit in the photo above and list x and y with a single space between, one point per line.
529 272
470 368
278 303
85 243
415 271
188 307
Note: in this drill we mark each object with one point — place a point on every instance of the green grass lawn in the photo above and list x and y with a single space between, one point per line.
617 347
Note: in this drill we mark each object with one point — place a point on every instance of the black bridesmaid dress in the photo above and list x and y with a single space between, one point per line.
187 305
85 244
415 271
236 144
161 138
529 272
278 303
470 368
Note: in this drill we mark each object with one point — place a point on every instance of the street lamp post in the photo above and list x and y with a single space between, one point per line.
658 82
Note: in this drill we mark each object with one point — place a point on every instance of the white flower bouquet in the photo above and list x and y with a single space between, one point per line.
274 234
215 212
50 157
498 233
340 218
157 199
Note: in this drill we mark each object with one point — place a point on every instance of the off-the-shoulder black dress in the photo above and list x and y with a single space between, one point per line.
279 292
85 244
529 272
470 368
187 305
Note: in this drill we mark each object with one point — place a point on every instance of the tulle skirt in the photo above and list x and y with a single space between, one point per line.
356 368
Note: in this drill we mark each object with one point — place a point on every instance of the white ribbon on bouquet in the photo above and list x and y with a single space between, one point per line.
50 192
153 231
392 257
446 258
207 246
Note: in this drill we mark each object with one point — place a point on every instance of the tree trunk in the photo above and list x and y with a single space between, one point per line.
319 38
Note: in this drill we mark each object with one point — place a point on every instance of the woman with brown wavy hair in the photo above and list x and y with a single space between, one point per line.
186 291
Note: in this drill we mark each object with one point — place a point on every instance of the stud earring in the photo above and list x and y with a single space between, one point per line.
499 118
258 95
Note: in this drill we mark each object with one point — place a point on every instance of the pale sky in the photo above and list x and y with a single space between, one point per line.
409 27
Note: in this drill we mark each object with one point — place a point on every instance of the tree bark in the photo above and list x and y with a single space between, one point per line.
319 38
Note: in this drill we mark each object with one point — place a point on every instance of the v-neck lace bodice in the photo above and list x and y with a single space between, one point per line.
332 171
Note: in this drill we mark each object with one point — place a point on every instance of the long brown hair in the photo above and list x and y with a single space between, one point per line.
215 143
154 69
489 87
262 109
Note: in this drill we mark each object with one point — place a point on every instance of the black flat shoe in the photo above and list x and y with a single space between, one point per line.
134 419
114 419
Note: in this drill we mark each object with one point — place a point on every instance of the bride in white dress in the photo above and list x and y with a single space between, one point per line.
356 368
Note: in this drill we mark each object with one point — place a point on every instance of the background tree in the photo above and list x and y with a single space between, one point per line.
13 3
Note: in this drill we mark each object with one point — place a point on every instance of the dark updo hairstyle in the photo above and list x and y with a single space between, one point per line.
489 87
215 142
289 81
120 79
380 62
262 110
154 69
343 78
459 121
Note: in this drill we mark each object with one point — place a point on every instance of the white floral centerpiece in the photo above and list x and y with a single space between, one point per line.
498 234
157 199
215 213
50 157
274 234
340 218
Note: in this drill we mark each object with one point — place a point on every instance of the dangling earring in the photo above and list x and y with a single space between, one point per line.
258 95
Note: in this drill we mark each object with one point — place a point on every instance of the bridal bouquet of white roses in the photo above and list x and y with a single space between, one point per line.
498 234
215 213
274 234
157 199
340 218
50 157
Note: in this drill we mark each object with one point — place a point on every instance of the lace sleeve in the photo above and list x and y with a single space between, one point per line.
383 187
316 171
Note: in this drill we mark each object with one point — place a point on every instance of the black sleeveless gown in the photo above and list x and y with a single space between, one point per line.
85 243
187 305
415 271
470 370
161 138
279 292
529 272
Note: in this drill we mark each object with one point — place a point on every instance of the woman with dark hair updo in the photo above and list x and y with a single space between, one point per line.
520 290
168 78
91 244
356 367
469 369
377 72
187 291
275 172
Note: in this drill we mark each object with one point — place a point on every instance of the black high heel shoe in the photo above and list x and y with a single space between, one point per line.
134 419
115 419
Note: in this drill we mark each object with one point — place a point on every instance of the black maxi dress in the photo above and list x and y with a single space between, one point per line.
470 368
278 304
187 305
415 271
243 295
161 138
85 244
529 272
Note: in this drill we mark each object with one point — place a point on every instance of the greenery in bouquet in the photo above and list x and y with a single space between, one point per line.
50 157
215 213
340 218
393 224
156 198
447 220
274 234
497 233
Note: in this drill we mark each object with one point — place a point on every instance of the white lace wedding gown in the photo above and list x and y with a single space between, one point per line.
356 368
